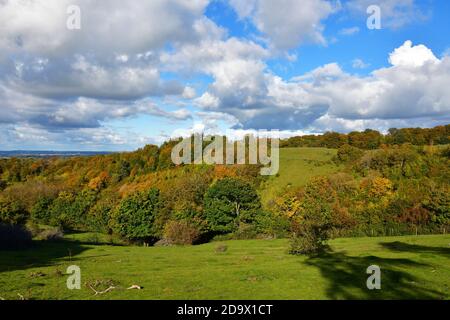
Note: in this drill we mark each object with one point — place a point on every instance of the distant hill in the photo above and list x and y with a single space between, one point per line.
297 167
47 154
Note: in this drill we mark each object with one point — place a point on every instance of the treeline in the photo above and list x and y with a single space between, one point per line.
142 197
391 191
372 139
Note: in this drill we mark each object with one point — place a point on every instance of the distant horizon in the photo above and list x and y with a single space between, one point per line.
124 151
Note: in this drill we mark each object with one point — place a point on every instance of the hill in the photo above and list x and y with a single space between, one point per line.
297 167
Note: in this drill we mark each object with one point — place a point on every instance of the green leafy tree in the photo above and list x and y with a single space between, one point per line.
61 210
135 217
230 202
41 211
12 212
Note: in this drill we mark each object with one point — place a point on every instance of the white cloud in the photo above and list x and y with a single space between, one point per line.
80 113
409 89
286 23
359 64
412 56
81 77
39 26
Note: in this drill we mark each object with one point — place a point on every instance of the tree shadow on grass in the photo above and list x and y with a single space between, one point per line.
347 277
407 247
41 254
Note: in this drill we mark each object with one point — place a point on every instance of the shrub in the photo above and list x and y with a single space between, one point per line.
245 232
14 237
53 234
347 153
309 238
272 224
181 232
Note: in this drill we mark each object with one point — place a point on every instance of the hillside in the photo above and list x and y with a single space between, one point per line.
297 167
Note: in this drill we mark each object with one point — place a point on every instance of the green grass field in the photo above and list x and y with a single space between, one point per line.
297 167
412 267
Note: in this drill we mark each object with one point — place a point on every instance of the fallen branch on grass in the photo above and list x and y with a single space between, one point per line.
101 292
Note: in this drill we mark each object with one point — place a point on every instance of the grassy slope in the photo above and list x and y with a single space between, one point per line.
412 267
297 167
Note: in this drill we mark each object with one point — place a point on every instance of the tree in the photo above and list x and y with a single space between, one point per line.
12 212
135 217
230 202
312 224
41 211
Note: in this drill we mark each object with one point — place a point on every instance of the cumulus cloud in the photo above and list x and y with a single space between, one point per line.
56 79
81 77
39 26
413 87
80 113
286 23
410 56
135 58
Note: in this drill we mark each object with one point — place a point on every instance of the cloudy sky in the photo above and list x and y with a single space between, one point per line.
142 71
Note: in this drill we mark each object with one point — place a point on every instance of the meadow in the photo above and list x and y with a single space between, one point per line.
297 167
413 267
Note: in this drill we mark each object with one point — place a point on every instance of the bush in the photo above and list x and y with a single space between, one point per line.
54 234
347 153
181 232
14 237
245 232
272 225
309 238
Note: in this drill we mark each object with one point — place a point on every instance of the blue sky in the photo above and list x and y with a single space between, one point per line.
144 71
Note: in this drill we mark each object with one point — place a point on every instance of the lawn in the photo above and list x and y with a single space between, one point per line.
412 267
297 167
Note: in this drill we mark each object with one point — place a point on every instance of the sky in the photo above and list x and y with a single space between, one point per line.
116 75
